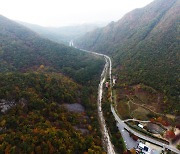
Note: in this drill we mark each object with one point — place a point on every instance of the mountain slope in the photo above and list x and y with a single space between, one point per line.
144 46
38 78
132 28
23 50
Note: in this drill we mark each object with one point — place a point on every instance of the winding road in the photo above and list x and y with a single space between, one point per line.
106 138
125 126
120 123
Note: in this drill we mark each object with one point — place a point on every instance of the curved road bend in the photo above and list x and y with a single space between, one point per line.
121 125
120 122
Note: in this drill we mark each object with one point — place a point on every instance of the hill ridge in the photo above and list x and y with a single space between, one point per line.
144 46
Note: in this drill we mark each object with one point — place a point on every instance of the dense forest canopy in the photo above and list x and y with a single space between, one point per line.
23 50
144 45
37 77
39 121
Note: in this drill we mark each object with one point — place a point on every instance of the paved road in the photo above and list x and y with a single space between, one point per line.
120 124
123 125
129 142
106 138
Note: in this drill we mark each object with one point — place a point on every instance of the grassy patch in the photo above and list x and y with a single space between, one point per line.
123 110
140 113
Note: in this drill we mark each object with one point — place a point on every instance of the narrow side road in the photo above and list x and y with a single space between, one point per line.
120 123
106 138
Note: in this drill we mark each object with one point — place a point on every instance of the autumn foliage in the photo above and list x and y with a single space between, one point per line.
170 134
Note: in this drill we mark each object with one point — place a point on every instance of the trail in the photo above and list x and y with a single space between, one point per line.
134 120
143 106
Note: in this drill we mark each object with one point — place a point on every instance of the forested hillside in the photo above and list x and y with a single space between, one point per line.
23 50
144 45
37 79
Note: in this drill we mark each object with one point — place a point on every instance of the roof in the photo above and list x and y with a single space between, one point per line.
145 149
140 125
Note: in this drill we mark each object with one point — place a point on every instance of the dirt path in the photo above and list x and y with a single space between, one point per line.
134 120
143 106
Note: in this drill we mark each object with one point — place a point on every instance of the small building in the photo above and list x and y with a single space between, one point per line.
155 149
142 148
141 126
107 84
148 148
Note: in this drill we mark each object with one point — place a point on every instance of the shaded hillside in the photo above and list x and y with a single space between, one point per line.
144 46
38 76
23 50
